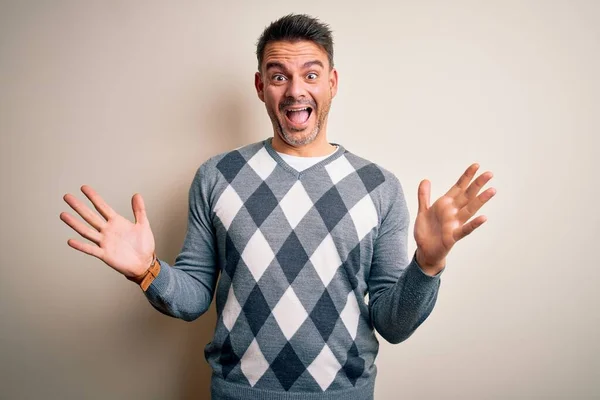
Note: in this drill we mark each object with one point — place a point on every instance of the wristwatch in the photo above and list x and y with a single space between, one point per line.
145 279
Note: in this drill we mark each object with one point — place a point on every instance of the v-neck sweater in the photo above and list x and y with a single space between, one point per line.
300 163
311 263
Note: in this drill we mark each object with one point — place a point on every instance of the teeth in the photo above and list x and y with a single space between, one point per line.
299 109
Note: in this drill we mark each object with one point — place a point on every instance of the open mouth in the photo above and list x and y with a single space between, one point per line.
298 116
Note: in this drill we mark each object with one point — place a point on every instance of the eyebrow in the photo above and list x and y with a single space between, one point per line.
314 62
277 64
274 64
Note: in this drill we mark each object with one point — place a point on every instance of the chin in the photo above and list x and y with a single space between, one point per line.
301 138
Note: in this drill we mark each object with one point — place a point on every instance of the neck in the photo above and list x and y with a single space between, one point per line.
317 148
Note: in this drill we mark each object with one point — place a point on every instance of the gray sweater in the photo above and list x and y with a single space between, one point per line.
310 263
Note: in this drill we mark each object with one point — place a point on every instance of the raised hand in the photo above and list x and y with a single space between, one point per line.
439 226
125 246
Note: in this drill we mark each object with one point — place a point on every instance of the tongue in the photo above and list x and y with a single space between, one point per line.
298 117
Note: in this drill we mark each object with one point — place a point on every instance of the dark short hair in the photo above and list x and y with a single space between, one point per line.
296 27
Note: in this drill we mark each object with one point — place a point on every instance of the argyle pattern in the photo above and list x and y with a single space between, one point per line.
289 301
289 258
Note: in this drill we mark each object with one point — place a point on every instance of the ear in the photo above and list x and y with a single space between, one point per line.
333 82
260 86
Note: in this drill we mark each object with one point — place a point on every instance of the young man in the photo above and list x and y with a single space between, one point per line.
301 231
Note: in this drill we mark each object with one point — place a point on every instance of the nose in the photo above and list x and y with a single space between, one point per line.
295 88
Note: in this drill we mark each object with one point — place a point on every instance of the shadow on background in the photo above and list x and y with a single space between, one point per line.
226 131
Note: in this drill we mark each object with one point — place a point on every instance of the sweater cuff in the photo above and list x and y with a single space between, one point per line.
160 284
415 264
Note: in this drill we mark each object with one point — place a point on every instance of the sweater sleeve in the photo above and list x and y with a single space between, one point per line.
401 295
185 289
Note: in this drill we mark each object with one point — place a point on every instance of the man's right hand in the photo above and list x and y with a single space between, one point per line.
125 246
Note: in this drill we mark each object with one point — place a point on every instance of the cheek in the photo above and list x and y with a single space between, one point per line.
272 104
320 95
321 91
272 97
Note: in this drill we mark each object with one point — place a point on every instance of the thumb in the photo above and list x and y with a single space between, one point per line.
424 195
139 209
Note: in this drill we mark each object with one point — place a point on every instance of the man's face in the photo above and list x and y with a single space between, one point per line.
296 84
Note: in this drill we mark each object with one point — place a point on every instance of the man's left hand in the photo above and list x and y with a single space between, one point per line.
440 226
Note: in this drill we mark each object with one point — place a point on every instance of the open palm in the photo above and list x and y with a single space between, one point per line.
125 246
438 227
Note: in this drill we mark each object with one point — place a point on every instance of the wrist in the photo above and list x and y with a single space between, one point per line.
140 277
428 267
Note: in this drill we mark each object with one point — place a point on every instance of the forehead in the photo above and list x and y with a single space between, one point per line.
291 53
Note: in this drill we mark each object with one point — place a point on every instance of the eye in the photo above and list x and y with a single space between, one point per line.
278 78
311 76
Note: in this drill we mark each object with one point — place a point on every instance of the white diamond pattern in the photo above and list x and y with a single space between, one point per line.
279 286
295 204
324 368
262 163
227 206
289 313
231 310
326 260
350 315
338 169
254 364
257 254
364 216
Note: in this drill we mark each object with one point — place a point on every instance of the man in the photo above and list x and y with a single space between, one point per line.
301 231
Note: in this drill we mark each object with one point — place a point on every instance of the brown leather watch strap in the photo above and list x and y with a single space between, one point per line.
145 279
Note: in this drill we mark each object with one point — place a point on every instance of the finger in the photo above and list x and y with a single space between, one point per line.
464 180
104 209
423 195
81 228
476 186
469 227
139 209
86 248
84 211
474 205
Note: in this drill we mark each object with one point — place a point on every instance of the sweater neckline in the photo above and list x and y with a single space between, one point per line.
298 174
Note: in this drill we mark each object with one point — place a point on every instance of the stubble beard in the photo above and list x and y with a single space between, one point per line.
292 138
